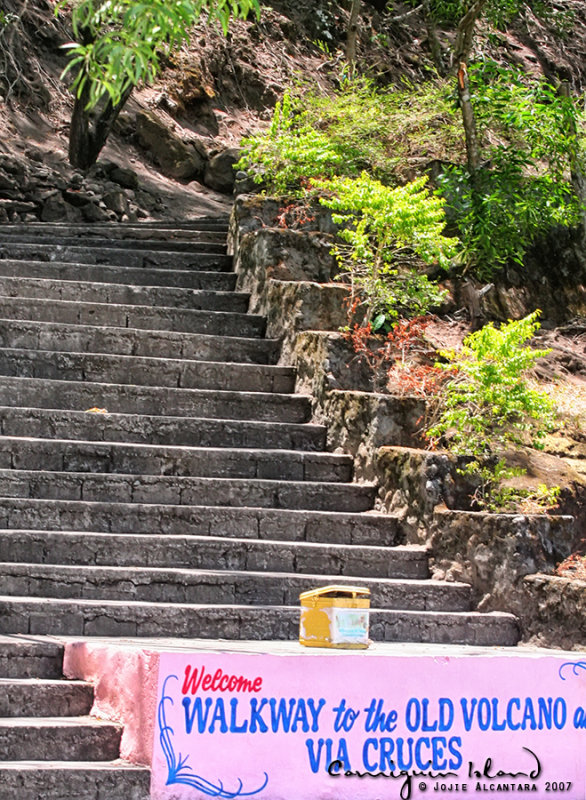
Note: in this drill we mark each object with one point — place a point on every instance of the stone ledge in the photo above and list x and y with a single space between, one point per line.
556 611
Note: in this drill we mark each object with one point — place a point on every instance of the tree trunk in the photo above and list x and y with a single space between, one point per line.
90 129
469 121
352 34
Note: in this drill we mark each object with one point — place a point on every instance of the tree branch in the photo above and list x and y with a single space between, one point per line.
407 14
465 34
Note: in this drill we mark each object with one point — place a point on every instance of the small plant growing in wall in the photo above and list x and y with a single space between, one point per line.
401 362
389 233
489 404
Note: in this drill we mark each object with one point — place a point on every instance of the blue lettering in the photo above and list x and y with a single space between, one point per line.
545 713
438 745
202 719
468 715
219 716
559 719
315 712
386 751
256 720
483 714
281 717
446 714
378 719
529 715
343 754
495 720
419 761
454 743
405 763
300 718
365 754
314 758
514 702
413 706
425 726
234 727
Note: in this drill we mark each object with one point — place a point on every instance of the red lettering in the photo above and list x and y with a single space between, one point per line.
191 682
196 678
216 679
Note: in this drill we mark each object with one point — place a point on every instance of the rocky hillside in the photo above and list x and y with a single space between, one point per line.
177 137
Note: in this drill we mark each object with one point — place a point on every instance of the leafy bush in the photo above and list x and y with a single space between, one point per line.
292 152
500 212
522 191
489 404
388 232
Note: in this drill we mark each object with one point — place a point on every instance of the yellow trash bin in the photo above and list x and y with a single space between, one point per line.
335 616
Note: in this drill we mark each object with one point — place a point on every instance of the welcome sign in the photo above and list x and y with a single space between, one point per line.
348 727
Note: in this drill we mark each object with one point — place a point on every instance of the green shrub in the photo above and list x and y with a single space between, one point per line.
488 404
291 152
389 234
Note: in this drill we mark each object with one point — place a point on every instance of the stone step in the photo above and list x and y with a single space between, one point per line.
86 254
178 490
164 318
32 697
63 738
211 552
62 455
60 780
122 294
22 657
81 617
200 243
133 276
229 522
141 371
127 399
184 229
221 587
32 335
42 423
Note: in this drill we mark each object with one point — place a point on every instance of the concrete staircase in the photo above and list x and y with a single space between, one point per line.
203 502
200 505
50 748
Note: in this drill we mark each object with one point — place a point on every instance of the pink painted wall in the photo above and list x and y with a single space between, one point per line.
460 715
274 737
125 681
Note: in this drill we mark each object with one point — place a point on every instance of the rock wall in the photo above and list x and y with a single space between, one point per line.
558 611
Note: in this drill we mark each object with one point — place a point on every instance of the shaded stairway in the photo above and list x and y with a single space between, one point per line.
202 503
50 748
